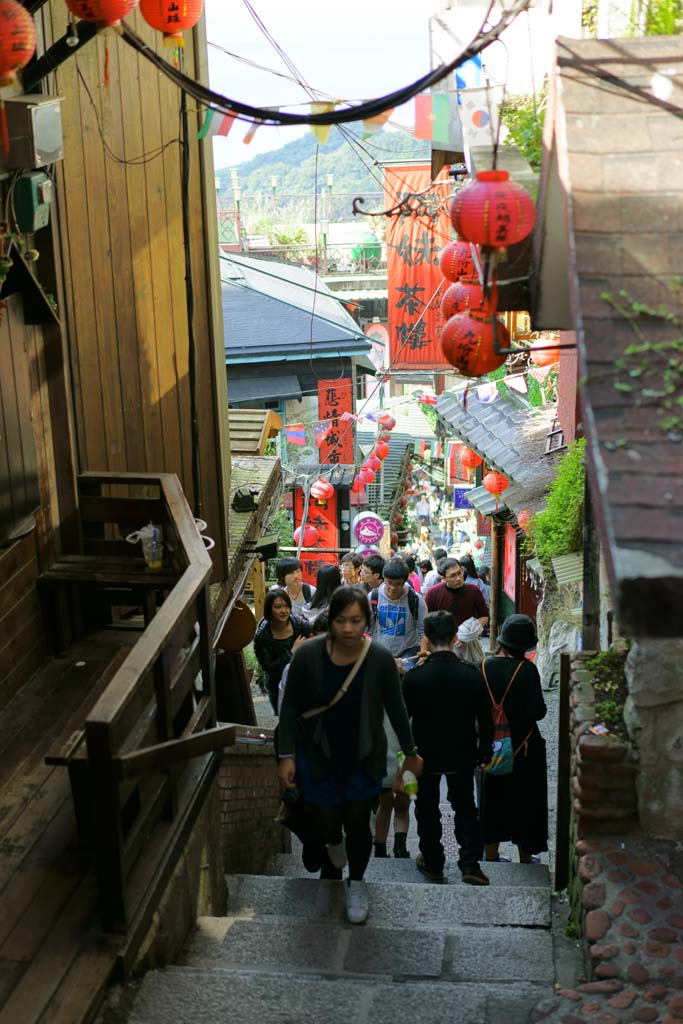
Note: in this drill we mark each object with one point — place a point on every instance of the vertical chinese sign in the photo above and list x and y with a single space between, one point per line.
335 397
510 561
414 243
322 515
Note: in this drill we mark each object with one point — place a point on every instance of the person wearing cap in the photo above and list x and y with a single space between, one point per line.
515 806
452 723
467 646
455 596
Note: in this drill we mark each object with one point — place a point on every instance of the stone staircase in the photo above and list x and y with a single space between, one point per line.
432 954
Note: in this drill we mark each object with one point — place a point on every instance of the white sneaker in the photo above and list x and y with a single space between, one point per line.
337 854
357 907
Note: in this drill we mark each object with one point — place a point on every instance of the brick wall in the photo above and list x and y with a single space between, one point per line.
250 800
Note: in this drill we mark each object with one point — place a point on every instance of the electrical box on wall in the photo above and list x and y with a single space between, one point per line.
31 198
34 125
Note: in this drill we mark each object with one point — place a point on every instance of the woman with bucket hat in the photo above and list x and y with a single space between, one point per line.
515 805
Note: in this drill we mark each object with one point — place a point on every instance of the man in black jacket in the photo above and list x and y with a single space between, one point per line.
453 729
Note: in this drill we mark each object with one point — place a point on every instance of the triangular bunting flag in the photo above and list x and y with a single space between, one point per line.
321 430
373 124
321 131
216 123
540 373
487 392
251 132
517 382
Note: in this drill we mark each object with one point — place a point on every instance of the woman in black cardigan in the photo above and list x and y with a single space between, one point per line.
278 635
338 757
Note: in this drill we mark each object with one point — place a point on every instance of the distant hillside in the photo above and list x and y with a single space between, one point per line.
354 168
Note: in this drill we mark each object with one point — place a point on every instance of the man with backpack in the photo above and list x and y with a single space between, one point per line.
453 729
397 613
288 572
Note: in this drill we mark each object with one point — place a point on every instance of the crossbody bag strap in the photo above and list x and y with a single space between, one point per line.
355 668
507 688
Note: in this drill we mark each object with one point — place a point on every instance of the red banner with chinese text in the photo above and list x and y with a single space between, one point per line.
322 515
334 398
414 244
457 474
510 561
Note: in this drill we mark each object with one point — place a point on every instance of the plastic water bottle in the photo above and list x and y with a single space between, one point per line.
409 778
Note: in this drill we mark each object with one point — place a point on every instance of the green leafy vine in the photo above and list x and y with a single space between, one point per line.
558 528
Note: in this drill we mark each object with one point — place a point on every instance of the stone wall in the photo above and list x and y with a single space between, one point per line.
250 800
654 717
557 628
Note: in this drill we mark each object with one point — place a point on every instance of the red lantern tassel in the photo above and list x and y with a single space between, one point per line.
106 63
4 130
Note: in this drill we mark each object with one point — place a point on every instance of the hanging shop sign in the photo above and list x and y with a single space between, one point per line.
323 516
335 397
510 561
367 529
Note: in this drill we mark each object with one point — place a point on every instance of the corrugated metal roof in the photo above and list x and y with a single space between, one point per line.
568 568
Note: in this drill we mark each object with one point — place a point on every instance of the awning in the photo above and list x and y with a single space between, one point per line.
258 389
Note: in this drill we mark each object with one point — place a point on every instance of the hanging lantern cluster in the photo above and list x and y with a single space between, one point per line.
17 40
467 296
322 490
172 17
493 211
381 450
468 343
456 261
105 13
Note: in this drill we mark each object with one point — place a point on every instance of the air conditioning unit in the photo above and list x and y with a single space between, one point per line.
34 124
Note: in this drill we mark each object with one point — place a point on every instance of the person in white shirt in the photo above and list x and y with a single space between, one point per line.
398 613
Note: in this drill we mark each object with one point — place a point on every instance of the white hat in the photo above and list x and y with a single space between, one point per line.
470 629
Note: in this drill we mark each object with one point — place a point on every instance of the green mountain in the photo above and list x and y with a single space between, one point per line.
301 175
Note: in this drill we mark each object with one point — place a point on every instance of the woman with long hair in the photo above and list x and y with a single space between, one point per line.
326 582
472 576
278 635
332 742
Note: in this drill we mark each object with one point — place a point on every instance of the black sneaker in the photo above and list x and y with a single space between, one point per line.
474 876
433 874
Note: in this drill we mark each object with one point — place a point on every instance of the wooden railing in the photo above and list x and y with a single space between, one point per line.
145 736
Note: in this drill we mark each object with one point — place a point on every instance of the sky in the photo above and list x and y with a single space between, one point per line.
352 49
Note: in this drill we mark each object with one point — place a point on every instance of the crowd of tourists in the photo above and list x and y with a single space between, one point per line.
378 675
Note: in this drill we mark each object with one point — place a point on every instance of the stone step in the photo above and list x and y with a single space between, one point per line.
332 947
186 995
393 904
389 870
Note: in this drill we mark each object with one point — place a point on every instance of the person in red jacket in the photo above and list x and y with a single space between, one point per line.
462 600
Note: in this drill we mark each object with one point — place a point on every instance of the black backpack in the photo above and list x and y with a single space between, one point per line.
306 589
413 603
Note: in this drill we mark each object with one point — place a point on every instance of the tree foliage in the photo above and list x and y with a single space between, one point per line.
523 117
558 529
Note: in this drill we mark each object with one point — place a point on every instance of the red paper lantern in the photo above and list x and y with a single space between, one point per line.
456 261
103 12
394 539
478 544
523 518
384 436
172 17
311 535
381 450
357 487
470 459
322 489
467 344
366 475
493 211
495 483
403 502
17 40
386 421
546 356
467 295
398 519
373 463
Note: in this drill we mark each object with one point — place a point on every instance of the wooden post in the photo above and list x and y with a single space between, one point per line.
590 634
257 581
563 803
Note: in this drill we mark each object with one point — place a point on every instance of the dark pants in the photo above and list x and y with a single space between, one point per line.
428 815
354 817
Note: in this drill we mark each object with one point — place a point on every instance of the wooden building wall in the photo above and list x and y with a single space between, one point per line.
119 209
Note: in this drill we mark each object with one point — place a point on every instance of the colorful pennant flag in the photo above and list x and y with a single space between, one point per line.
487 392
321 131
216 123
479 115
373 124
438 450
349 417
251 132
295 433
321 430
540 373
517 381
468 75
431 116
419 447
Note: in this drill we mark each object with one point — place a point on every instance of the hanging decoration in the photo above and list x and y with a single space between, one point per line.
322 489
495 483
366 475
468 344
467 296
105 13
469 459
373 463
386 421
523 519
381 450
311 535
17 40
172 17
456 261
493 211
357 487
543 355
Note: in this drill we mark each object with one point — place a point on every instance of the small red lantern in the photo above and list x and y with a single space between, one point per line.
104 13
17 41
467 344
495 483
367 475
172 17
384 436
311 535
456 261
523 518
381 450
398 518
357 487
386 421
467 295
546 356
478 544
493 211
394 539
322 489
373 463
470 459
403 502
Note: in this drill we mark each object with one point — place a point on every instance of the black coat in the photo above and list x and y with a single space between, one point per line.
450 712
271 654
